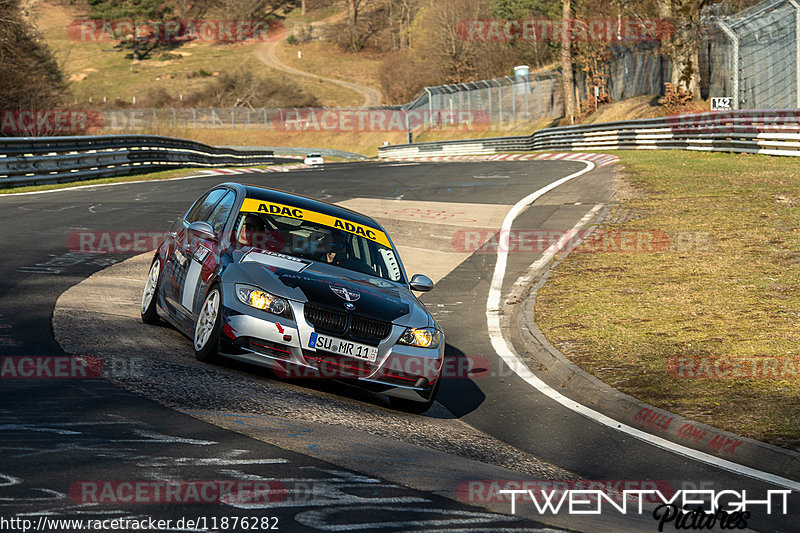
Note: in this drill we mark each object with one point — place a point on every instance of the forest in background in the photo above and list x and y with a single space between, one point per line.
421 42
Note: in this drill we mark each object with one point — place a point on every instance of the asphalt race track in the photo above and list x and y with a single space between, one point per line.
334 458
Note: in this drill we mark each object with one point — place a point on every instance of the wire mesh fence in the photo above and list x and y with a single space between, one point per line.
753 56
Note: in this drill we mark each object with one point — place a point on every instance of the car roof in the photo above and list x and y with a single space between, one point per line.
305 202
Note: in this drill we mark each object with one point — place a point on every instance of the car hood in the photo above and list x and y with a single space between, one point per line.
330 286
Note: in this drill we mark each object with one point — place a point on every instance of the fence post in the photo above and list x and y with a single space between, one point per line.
796 7
500 99
430 108
538 96
527 90
489 87
735 40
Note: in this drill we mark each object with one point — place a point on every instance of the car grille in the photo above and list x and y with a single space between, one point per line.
367 328
326 319
337 322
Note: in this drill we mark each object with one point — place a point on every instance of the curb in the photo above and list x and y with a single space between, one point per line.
548 363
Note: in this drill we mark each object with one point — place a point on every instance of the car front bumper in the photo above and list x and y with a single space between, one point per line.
282 344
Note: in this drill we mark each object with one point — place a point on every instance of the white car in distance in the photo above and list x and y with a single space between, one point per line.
314 159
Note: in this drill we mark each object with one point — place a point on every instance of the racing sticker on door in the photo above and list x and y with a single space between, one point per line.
193 277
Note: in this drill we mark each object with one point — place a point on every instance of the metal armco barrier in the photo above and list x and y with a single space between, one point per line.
773 132
39 160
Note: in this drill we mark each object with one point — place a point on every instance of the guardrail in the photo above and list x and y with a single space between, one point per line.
773 132
38 160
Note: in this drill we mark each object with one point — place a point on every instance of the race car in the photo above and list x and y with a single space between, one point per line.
304 287
314 159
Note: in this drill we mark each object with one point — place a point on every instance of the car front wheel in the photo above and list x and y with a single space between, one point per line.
150 293
207 328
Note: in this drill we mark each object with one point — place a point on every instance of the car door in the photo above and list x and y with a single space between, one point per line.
205 256
178 259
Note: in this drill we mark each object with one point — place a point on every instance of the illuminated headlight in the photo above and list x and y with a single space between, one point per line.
424 337
263 300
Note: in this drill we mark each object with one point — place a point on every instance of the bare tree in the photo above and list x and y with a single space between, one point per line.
31 78
683 46
566 62
354 8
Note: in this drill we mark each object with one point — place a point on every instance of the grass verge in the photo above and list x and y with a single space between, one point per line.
722 299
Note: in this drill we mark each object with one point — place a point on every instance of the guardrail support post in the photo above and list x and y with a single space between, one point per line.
735 40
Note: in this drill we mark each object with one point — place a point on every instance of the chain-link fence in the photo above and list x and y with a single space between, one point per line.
523 97
753 56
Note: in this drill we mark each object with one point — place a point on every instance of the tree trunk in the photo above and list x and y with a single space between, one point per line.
683 46
352 20
566 63
303 7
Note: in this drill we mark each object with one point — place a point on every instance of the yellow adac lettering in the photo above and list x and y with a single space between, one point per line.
371 234
338 224
263 207
297 213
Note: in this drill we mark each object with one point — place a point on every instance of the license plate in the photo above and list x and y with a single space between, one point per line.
343 347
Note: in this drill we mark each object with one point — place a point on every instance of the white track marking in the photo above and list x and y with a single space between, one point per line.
507 354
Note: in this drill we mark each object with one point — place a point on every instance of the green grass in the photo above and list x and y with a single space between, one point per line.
733 291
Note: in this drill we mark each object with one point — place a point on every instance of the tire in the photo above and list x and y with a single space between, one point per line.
410 406
150 293
207 328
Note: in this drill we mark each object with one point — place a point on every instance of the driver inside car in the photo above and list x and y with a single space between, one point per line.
253 231
330 247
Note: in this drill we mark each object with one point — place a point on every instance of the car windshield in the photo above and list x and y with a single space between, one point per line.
340 243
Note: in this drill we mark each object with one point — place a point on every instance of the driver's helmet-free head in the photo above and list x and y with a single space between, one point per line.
252 228
324 243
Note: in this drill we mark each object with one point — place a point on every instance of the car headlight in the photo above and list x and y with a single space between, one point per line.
422 337
263 300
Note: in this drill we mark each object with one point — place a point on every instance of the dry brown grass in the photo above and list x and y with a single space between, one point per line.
727 286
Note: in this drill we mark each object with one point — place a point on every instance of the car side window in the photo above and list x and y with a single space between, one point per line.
220 214
202 208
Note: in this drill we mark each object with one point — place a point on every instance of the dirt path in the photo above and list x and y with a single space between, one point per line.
266 53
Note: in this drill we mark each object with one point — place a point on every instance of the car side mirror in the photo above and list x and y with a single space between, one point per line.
420 283
203 230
